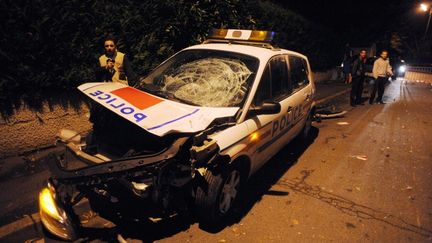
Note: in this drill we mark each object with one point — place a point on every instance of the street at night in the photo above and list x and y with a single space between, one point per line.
216 121
365 177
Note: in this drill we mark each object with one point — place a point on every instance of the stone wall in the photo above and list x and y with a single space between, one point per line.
28 130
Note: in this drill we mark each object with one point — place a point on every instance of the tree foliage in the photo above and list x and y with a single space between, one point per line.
54 44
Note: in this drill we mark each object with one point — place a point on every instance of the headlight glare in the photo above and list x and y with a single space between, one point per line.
47 204
53 217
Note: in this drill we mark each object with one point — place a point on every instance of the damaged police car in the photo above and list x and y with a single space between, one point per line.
194 130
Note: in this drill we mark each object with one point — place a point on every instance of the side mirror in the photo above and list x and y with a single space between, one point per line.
267 108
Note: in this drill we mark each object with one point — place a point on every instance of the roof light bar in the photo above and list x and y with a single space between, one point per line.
245 35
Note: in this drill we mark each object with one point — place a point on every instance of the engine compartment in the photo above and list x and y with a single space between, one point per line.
118 138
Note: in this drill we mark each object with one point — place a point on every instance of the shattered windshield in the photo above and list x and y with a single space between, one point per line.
203 77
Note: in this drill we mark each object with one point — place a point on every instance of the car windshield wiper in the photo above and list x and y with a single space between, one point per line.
184 101
150 88
155 90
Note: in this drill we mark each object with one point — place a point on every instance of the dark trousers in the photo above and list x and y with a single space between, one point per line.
357 90
378 85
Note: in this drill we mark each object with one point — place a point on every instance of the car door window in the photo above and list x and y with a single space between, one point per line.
298 72
264 88
275 82
279 75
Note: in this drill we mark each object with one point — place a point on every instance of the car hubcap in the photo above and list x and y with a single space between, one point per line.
229 191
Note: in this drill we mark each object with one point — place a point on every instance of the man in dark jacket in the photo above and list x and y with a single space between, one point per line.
358 76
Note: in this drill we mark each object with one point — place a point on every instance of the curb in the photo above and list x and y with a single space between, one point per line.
20 224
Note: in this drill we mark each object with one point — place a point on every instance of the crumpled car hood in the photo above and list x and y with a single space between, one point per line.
157 115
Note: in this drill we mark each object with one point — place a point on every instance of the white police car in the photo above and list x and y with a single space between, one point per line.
194 130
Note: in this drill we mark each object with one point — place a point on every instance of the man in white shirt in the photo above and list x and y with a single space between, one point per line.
381 72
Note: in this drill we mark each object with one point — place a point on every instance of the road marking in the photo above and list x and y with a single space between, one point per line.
19 224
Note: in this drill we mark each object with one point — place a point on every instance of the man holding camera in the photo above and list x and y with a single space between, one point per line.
114 65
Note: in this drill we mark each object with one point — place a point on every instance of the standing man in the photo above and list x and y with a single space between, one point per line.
381 71
114 65
358 76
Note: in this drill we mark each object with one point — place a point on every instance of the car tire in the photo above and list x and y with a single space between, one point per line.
215 199
305 134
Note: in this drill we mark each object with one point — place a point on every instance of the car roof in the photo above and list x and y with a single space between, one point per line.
251 50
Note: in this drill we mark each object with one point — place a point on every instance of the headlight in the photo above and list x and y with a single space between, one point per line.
48 205
53 217
402 69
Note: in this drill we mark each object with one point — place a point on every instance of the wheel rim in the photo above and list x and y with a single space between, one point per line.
229 191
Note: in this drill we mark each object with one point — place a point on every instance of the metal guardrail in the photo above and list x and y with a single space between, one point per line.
419 69
415 73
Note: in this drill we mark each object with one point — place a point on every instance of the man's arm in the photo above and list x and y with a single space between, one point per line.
389 68
374 69
355 67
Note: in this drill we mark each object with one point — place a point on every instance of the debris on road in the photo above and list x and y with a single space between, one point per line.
328 111
408 188
360 157
350 225
327 114
343 123
235 229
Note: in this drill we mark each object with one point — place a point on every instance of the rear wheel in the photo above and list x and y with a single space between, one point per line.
215 199
305 134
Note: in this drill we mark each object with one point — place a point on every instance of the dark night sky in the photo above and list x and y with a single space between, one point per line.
358 21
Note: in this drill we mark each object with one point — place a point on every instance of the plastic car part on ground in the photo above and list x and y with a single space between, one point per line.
360 157
214 82
343 123
330 115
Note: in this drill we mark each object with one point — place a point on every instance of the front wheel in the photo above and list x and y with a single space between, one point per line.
215 199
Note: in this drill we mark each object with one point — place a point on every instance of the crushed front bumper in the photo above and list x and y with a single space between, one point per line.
56 201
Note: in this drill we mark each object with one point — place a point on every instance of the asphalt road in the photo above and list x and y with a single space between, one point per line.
365 177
